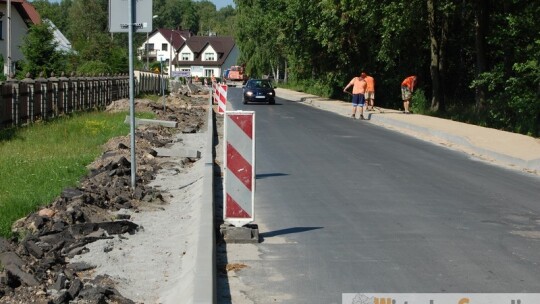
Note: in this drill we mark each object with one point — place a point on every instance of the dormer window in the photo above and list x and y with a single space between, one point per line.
209 57
185 56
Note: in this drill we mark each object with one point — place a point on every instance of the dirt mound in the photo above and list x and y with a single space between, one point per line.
35 265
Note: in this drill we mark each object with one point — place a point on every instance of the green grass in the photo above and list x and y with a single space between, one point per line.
37 162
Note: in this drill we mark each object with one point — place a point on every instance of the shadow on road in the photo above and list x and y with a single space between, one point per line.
261 176
270 234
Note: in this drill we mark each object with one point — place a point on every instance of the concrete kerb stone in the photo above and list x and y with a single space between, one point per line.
247 234
205 281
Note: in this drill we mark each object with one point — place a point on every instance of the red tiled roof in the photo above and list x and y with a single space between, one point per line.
27 11
175 37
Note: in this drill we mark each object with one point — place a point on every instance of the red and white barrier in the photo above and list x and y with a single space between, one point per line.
222 98
239 168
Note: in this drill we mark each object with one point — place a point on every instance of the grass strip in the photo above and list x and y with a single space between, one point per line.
38 161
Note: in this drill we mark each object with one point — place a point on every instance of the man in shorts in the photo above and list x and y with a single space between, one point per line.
407 88
370 91
358 99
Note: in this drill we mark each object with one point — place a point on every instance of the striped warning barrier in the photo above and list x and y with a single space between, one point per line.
222 98
239 168
214 93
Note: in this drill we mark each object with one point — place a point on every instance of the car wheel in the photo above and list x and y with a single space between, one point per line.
272 102
245 101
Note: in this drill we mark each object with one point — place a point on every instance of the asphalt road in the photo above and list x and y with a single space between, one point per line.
345 206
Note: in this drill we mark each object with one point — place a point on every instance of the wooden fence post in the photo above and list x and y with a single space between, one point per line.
63 92
56 105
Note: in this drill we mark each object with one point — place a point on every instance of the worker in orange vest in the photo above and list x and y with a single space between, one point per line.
407 88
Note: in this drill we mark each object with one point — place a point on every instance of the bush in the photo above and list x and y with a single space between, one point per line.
419 102
93 68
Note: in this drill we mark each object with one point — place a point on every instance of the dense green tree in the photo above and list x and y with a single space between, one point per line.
477 61
176 14
39 49
57 12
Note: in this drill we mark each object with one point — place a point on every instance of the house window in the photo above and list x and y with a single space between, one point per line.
208 72
150 46
164 46
209 57
185 56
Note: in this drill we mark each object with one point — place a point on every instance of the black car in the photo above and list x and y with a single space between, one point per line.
259 90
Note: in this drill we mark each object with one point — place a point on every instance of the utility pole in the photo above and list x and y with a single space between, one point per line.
131 95
170 53
8 36
147 49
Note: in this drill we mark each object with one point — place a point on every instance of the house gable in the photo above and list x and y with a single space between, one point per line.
186 54
163 44
209 54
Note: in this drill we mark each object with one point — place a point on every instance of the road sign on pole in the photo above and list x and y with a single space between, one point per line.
239 177
119 16
122 17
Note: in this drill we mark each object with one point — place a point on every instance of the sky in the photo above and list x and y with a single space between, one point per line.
222 3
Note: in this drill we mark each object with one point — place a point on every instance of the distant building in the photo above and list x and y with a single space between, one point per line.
179 50
23 15
63 44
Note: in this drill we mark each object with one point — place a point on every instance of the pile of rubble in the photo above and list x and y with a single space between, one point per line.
34 265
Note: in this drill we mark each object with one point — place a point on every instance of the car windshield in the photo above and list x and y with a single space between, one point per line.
261 84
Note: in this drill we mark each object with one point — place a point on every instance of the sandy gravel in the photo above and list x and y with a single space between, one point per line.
154 265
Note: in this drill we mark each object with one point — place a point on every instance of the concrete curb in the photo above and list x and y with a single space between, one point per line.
205 282
461 141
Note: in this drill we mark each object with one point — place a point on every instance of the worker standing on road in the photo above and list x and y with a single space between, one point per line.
407 88
370 92
358 99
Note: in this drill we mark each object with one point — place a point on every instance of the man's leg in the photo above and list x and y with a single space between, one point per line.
355 102
362 104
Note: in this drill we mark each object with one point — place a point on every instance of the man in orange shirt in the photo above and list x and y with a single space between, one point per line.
358 98
407 88
370 91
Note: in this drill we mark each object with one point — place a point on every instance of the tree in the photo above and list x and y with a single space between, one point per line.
439 13
39 49
57 12
480 30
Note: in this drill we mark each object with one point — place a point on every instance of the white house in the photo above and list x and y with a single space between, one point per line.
161 46
205 56
23 15
179 50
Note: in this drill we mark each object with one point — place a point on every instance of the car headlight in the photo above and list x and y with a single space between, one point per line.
270 93
249 93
